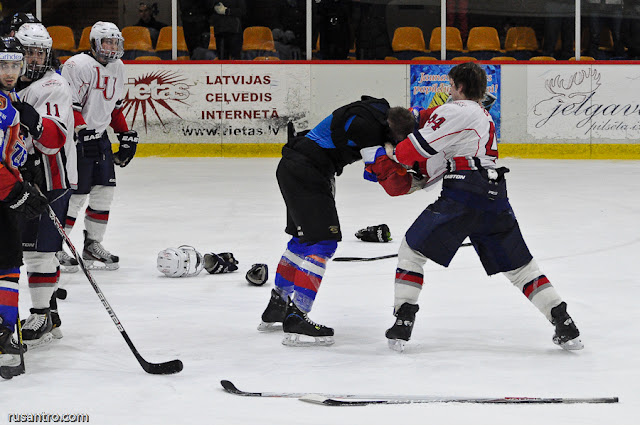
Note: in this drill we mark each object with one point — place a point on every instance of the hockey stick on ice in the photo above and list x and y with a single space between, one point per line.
382 257
166 368
8 372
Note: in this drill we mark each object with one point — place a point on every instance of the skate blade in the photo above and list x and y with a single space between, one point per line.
571 345
56 333
68 269
9 359
396 344
270 327
98 265
294 340
40 342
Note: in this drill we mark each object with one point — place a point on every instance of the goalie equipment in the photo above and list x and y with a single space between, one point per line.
220 263
379 233
258 274
178 262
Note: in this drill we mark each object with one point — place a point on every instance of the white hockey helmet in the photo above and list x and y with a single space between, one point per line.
178 262
35 39
106 30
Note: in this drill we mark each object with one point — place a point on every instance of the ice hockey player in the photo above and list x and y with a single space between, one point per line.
97 85
456 143
306 176
47 119
17 198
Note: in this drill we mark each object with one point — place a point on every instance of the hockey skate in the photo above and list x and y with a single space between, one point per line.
68 264
274 314
297 324
36 330
9 348
94 253
567 334
398 334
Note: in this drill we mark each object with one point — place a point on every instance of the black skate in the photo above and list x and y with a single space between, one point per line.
567 334
94 252
297 324
68 264
36 330
274 313
398 334
9 348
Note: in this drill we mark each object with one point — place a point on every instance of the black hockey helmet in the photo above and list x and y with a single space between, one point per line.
22 18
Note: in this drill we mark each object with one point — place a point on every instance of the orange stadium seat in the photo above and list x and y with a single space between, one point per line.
465 58
257 41
212 40
266 58
84 44
503 58
163 45
483 42
408 38
137 42
63 41
521 42
542 58
454 41
424 58
583 58
148 58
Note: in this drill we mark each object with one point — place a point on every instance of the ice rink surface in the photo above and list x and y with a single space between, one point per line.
474 335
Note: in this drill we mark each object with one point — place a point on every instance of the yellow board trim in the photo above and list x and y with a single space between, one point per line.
273 150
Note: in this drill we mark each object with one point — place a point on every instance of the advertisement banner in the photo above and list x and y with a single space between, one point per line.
234 104
429 80
583 102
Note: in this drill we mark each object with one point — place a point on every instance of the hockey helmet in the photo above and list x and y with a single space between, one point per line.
35 40
11 59
106 30
21 18
178 262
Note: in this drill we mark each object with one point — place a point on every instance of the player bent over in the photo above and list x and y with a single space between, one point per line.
17 198
306 176
47 119
97 86
456 143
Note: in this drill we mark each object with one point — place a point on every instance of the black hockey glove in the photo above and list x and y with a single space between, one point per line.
220 263
32 170
128 145
26 199
379 233
257 274
89 144
30 119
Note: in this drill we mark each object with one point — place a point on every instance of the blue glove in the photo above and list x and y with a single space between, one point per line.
370 156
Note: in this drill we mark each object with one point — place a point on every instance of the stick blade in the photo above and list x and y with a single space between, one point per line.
8 372
167 368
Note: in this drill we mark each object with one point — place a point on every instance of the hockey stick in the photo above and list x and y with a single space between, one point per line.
166 368
8 372
327 401
382 257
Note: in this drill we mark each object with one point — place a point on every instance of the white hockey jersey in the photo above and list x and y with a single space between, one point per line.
96 89
449 137
51 98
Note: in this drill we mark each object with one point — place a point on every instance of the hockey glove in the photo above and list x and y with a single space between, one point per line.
379 233
89 144
30 119
258 274
220 263
128 145
26 199
32 170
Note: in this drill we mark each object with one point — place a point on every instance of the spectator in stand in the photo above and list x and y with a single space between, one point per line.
372 36
195 21
559 21
457 16
293 18
227 27
631 28
263 13
334 21
605 13
147 19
